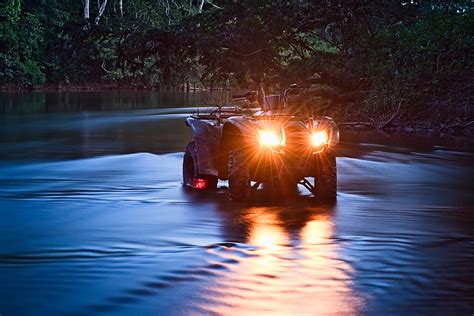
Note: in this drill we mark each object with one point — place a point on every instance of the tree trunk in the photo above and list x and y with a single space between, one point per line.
102 4
85 12
121 8
201 5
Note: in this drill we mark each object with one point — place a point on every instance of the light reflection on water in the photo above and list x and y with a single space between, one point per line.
293 271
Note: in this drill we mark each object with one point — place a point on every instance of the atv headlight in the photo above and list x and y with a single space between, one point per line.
268 138
319 138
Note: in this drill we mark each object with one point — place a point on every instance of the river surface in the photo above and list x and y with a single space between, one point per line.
94 220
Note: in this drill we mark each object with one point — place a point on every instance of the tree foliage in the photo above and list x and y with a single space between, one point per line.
397 50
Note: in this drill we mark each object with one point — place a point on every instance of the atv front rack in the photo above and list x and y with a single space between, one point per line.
223 112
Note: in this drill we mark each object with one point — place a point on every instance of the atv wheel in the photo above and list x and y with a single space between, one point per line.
239 176
190 176
325 180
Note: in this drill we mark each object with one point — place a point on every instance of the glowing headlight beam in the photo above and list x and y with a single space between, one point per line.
319 138
269 139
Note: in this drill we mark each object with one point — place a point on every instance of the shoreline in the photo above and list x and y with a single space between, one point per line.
414 127
105 87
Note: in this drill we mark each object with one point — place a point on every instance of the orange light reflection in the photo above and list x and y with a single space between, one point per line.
292 270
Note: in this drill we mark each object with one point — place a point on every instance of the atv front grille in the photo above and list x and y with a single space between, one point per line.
298 145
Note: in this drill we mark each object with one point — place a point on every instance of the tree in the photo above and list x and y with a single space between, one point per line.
85 14
102 5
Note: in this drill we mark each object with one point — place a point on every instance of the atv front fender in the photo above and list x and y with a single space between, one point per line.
238 132
207 135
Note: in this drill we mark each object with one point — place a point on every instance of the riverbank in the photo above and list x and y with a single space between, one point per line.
412 126
428 119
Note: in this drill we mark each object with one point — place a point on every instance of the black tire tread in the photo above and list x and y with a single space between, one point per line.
188 154
239 176
326 178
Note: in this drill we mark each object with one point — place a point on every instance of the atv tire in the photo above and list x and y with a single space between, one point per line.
325 181
239 176
190 169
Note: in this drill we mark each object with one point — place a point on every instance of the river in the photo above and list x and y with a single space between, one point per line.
94 220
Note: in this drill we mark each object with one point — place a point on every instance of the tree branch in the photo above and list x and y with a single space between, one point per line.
382 126
102 5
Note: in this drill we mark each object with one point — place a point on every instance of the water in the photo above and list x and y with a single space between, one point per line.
94 220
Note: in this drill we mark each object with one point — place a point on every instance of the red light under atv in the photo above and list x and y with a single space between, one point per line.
199 184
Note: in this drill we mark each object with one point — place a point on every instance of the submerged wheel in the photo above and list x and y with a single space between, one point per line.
191 178
239 176
325 180
188 165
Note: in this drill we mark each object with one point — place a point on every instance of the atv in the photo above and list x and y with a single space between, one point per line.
265 141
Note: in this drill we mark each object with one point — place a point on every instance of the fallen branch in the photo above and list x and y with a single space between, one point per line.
243 54
382 126
462 125
368 124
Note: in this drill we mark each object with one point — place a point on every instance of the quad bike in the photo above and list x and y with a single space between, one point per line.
262 141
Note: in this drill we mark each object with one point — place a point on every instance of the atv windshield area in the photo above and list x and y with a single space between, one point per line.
259 105
288 104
